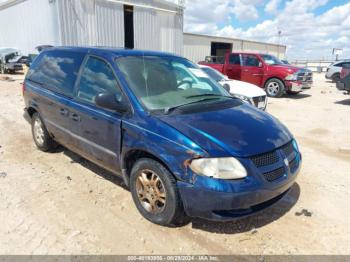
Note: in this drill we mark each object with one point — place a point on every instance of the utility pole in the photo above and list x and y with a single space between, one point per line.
279 42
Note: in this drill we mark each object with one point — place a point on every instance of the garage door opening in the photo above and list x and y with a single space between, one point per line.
128 26
220 49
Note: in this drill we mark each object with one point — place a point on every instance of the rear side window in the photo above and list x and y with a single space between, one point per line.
346 65
234 59
57 70
338 65
97 77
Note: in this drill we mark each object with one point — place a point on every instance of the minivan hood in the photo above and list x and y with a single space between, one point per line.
239 131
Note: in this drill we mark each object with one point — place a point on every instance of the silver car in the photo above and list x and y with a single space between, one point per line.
333 71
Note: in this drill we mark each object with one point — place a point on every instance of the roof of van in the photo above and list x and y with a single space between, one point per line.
115 51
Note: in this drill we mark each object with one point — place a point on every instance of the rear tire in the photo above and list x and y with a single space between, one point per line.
336 77
41 137
274 87
155 193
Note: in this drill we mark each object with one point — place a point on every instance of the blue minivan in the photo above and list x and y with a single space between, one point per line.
181 143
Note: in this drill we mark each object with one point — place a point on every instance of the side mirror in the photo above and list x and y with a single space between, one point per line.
110 101
226 87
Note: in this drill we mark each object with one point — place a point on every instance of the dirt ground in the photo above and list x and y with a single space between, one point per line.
58 203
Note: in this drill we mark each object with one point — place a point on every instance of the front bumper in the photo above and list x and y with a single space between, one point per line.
342 86
14 67
298 86
221 200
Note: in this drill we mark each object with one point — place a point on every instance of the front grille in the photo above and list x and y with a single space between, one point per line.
275 174
258 99
288 149
276 158
304 76
265 159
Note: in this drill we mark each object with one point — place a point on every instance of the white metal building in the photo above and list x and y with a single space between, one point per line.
197 47
142 24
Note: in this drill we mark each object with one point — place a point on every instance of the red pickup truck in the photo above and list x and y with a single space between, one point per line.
263 70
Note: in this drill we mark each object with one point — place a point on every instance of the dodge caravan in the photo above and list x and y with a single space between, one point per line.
183 145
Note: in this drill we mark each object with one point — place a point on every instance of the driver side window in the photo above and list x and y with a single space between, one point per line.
250 60
97 77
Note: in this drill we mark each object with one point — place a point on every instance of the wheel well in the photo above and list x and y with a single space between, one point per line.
132 156
274 78
31 111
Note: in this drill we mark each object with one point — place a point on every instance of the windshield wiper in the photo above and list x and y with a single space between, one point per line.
207 94
169 109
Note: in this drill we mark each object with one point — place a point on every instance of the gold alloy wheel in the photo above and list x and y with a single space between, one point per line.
39 134
150 191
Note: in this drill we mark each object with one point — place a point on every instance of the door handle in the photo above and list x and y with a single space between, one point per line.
64 112
75 117
245 70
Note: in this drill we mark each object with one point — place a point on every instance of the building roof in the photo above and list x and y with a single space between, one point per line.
232 39
162 5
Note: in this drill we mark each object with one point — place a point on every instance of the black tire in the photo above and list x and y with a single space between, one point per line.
336 77
292 93
44 142
172 213
274 87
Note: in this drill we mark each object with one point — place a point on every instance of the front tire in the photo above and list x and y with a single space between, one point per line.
155 194
274 88
41 136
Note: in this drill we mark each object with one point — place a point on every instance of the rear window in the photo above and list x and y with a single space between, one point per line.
57 70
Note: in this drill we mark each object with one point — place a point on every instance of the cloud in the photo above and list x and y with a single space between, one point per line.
305 34
272 6
245 10
204 16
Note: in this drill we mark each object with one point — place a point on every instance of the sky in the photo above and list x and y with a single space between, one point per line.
309 28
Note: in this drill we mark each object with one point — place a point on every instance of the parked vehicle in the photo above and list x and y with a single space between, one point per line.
9 60
265 71
249 93
344 81
43 47
16 63
333 71
183 145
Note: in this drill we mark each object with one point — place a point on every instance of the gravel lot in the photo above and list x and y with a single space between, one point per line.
59 203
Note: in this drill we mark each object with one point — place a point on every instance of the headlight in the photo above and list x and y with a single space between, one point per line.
221 168
291 77
295 145
244 98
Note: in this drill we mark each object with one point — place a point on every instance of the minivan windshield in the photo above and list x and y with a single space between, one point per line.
271 60
162 83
